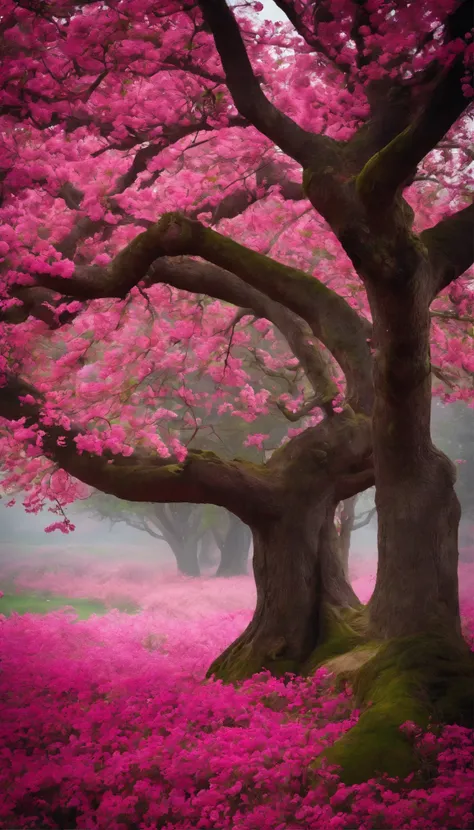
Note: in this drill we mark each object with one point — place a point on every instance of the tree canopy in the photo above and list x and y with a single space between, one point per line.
114 114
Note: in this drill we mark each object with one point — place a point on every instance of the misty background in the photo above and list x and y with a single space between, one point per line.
23 539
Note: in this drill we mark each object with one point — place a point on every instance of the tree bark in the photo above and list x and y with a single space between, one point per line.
418 511
299 574
297 565
234 549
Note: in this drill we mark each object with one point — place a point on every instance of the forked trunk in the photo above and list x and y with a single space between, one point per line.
296 558
234 549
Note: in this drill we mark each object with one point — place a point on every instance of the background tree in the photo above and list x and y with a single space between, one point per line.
368 101
348 522
190 530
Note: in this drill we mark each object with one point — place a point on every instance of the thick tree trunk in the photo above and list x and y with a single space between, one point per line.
298 573
416 590
234 549
417 583
186 553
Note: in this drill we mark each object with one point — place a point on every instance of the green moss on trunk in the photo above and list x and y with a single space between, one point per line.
417 679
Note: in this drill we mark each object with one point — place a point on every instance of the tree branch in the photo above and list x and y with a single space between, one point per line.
267 175
288 8
330 317
450 246
300 413
203 478
200 277
246 92
451 315
395 165
40 303
366 520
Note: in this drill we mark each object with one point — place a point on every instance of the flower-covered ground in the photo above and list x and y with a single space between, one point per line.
107 723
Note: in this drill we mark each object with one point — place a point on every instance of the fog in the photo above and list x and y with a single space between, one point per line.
22 535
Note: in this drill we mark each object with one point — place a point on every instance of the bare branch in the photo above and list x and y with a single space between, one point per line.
364 519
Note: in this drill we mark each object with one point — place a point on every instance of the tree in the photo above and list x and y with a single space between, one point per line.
348 522
369 100
233 541
187 529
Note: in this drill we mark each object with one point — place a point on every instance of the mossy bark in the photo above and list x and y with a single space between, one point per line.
416 679
418 512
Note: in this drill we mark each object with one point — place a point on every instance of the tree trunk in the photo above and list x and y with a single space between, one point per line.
207 550
298 573
234 549
186 553
178 523
345 533
418 511
297 565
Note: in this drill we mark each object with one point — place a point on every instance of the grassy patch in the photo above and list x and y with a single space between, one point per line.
30 603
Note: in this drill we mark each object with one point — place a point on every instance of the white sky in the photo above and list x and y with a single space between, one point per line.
272 12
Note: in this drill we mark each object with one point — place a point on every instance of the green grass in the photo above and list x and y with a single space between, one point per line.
44 603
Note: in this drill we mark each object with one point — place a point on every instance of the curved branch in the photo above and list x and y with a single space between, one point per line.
203 277
364 519
300 413
331 318
268 175
203 478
